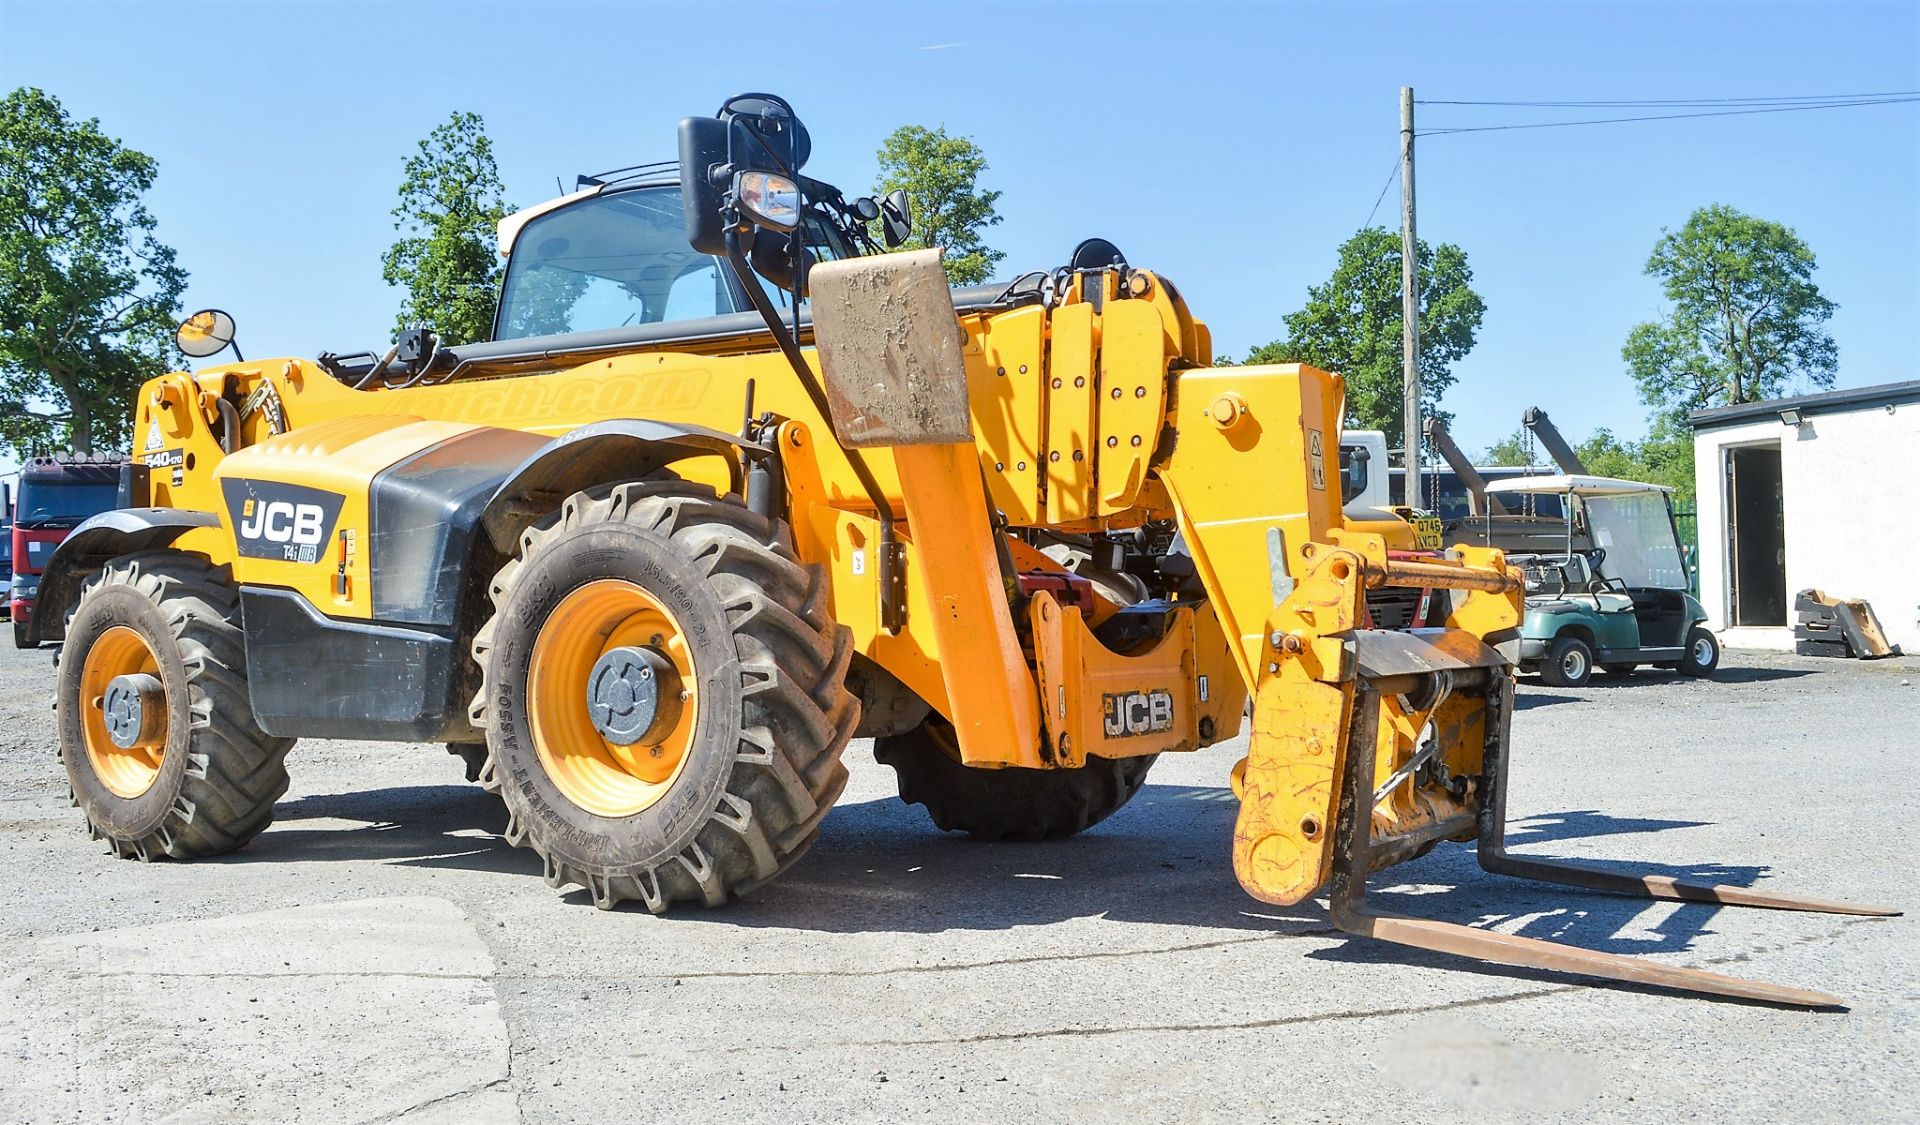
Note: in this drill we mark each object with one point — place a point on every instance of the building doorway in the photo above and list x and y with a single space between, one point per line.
1756 537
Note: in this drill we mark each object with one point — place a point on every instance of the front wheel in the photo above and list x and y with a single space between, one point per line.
1010 803
1569 663
156 731
21 638
1703 654
664 696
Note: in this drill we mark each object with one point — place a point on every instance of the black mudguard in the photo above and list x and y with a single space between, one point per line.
619 449
405 675
93 545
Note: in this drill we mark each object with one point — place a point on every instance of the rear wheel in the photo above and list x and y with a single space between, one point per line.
1569 663
1006 804
664 696
1703 654
156 730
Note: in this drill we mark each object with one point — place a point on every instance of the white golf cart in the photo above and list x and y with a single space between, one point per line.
1616 594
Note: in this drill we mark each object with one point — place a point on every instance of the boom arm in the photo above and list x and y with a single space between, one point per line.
1477 498
1563 455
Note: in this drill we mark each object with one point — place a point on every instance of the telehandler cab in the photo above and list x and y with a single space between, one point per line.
730 487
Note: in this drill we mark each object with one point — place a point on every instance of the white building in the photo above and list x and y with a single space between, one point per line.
1812 492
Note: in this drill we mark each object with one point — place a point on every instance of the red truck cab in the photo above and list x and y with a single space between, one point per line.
54 496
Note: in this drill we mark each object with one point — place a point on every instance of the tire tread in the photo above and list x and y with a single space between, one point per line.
236 771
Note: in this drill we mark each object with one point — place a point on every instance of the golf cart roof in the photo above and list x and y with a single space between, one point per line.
1578 485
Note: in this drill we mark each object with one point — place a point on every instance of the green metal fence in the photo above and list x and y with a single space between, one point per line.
1687 522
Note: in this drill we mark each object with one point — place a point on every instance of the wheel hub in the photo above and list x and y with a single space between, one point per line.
633 695
135 710
612 697
123 721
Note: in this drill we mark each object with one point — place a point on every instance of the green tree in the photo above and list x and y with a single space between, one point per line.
88 294
1351 325
940 174
448 255
1664 457
1746 321
1511 450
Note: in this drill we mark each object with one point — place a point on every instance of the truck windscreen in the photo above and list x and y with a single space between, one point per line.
62 503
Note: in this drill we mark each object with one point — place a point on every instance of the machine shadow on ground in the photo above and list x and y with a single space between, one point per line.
1532 699
456 826
881 867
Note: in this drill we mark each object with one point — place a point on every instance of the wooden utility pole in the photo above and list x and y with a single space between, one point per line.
1409 304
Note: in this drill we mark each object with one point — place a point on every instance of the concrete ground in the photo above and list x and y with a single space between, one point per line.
380 954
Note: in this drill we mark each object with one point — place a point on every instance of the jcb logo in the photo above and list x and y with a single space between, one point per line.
280 521
1133 713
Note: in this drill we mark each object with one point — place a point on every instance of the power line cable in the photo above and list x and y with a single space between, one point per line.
1656 103
1659 117
1392 175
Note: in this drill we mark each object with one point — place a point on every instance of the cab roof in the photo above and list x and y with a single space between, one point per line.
1576 484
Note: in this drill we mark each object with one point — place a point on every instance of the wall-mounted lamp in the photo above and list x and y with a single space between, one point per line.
1791 417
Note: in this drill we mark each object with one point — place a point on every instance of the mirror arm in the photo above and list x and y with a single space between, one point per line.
892 604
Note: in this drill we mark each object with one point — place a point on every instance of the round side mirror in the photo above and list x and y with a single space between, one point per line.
207 332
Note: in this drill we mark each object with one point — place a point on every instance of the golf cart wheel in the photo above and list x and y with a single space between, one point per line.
1620 669
1569 663
1011 803
663 696
1703 654
156 732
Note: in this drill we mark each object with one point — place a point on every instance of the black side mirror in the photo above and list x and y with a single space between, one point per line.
767 134
703 154
896 217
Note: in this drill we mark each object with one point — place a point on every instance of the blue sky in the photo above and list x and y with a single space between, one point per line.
1229 147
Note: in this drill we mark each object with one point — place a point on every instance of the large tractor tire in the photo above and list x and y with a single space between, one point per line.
664 696
156 731
1006 804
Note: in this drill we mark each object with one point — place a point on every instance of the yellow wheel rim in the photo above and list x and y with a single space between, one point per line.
601 776
126 771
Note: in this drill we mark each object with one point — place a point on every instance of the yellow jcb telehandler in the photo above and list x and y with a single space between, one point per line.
730 487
